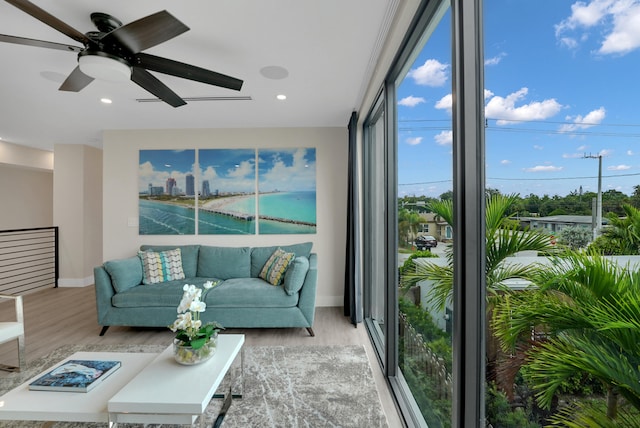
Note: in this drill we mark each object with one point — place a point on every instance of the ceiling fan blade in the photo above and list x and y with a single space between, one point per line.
38 43
186 71
146 32
76 81
147 81
44 16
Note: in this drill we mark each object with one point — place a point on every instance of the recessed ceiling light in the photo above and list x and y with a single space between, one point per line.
281 97
106 100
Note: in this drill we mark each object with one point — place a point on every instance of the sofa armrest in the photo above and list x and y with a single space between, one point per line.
104 292
307 300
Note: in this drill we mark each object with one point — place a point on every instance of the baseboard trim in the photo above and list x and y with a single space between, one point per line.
75 282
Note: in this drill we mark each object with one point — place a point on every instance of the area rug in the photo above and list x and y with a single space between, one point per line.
296 387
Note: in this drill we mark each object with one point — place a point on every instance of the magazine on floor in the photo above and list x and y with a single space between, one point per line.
75 376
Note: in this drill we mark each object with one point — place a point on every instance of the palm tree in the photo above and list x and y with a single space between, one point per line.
589 310
408 223
625 231
504 240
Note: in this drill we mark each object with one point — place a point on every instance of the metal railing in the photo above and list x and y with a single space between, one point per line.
28 259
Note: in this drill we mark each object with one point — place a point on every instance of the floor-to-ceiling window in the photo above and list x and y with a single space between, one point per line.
533 341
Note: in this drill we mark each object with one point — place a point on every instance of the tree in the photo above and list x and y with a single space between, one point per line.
575 237
503 240
589 311
408 224
624 232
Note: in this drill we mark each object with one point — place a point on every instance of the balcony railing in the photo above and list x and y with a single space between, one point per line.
28 260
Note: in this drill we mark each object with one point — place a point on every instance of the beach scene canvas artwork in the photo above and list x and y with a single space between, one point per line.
166 192
227 200
287 191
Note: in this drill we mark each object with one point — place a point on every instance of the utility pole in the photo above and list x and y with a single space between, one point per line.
598 226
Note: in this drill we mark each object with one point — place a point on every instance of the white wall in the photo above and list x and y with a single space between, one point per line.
26 175
120 193
77 211
27 197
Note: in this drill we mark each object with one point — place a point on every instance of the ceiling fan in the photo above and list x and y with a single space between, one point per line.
114 52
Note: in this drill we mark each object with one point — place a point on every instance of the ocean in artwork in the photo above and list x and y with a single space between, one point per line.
287 212
280 213
158 218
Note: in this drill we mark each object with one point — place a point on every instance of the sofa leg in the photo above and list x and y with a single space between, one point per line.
311 333
104 330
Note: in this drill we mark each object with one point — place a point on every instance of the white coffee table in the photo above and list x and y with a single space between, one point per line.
166 392
148 387
21 404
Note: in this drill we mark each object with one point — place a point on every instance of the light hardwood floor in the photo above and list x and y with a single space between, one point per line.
67 316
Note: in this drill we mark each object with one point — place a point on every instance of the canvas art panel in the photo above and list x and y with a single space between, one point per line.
287 191
166 192
227 199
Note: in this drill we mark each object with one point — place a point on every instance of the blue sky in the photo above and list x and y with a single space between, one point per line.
231 170
228 170
287 169
561 82
155 166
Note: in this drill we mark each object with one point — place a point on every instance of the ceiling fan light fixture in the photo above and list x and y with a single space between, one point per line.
103 66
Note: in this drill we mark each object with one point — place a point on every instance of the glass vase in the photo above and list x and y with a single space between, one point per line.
186 355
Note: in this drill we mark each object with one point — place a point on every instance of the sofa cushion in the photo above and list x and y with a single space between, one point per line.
224 262
189 255
295 276
275 267
124 273
260 255
161 266
249 293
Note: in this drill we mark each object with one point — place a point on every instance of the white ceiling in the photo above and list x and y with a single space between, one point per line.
328 47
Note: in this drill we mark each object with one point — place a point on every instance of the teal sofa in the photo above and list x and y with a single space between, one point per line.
240 300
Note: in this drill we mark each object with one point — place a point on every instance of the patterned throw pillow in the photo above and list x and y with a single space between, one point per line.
274 269
161 266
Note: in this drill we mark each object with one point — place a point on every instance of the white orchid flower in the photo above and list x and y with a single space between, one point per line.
198 306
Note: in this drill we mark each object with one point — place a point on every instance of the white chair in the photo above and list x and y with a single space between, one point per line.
14 330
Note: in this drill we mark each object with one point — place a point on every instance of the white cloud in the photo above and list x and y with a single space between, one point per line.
582 148
487 94
604 152
572 155
445 103
411 101
630 153
431 73
592 118
505 162
444 138
505 110
543 168
414 141
618 21
538 147
618 167
495 60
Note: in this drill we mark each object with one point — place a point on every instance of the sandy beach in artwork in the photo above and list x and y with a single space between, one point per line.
221 206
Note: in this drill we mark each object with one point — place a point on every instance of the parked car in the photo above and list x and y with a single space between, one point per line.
425 242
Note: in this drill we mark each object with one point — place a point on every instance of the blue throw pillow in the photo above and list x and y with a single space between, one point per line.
124 273
295 276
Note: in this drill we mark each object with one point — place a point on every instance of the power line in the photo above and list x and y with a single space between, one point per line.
526 179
